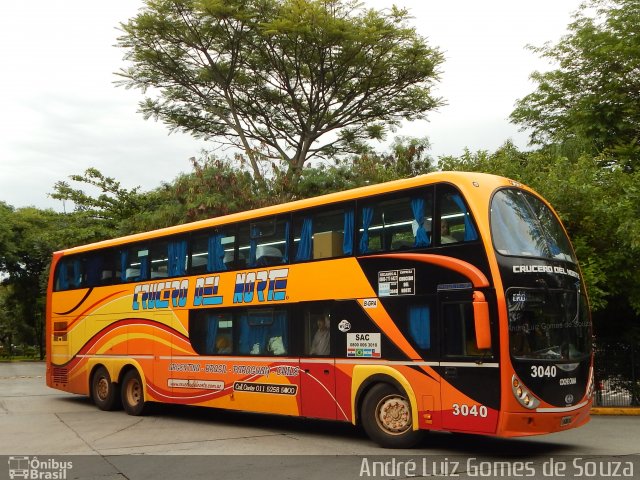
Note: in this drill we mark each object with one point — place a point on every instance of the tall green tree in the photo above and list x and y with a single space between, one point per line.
6 244
34 235
593 93
281 80
28 237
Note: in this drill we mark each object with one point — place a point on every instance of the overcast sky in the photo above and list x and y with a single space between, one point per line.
60 112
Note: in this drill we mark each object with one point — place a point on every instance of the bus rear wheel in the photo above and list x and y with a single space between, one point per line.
133 393
386 417
103 391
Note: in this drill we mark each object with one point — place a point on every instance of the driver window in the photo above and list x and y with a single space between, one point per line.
459 330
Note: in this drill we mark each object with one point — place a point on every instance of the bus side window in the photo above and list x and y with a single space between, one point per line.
459 330
100 268
317 339
264 332
211 332
219 339
265 242
213 252
159 260
134 264
177 252
321 234
456 224
69 274
396 223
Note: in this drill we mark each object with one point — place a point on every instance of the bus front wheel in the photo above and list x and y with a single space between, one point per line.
133 393
386 417
103 391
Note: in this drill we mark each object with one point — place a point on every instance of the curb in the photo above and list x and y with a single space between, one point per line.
615 411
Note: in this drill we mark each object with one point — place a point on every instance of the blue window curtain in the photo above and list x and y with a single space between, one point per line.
420 325
215 257
177 258
347 242
367 217
422 237
77 274
469 230
144 267
253 246
253 335
124 262
305 244
212 334
279 328
63 278
257 331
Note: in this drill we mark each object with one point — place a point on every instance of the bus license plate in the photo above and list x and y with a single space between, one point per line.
565 421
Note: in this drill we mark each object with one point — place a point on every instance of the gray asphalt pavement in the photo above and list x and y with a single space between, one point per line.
189 442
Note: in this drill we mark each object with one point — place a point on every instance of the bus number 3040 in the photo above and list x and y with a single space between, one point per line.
465 410
539 371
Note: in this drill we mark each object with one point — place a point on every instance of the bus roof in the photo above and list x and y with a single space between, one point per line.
463 180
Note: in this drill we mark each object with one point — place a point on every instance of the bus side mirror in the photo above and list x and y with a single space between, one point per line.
481 318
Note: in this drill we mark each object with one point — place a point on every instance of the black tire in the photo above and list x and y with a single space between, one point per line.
132 392
386 417
104 392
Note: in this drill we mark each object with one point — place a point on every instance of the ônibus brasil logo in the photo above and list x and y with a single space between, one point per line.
35 469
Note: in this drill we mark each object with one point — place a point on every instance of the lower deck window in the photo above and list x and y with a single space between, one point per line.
241 332
263 332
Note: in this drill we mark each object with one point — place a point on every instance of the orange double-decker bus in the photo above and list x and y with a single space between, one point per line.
449 301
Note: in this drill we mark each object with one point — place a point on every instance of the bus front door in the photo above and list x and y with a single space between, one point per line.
470 387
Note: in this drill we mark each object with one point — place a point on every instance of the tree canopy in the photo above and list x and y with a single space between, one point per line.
30 237
593 94
281 80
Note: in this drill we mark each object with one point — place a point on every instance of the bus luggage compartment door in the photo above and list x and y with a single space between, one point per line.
318 388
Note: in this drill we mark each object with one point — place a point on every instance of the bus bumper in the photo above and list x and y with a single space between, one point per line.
520 424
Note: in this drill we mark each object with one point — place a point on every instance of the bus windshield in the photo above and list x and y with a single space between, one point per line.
548 324
522 225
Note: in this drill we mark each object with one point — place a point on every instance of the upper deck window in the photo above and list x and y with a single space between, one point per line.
134 263
264 243
83 271
323 234
213 251
396 223
456 224
69 274
522 225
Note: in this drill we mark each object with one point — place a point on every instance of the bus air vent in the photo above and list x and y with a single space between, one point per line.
60 375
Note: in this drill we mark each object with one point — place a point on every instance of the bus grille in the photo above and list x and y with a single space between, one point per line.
60 375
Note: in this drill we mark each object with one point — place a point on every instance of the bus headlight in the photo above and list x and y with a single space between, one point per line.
524 397
591 384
